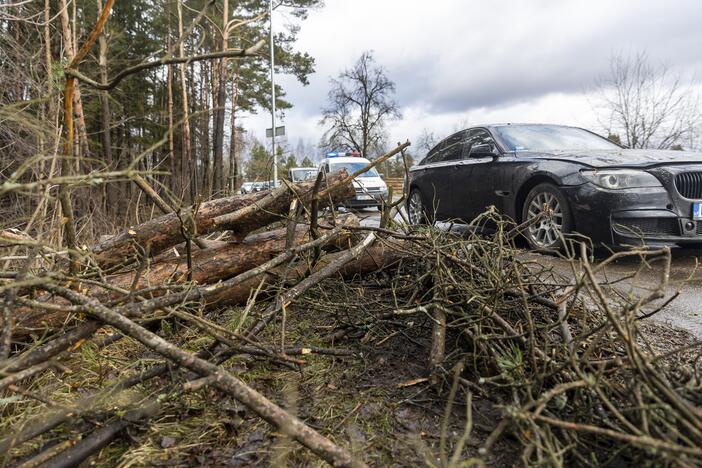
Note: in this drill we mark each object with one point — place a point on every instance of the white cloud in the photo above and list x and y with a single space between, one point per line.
467 61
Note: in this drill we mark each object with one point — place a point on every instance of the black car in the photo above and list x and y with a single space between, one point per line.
584 183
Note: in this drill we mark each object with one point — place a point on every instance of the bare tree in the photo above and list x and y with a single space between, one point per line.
426 141
647 106
360 104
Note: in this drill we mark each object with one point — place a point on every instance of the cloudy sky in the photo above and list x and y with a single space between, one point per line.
462 62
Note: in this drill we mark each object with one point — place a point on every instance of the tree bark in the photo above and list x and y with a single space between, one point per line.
185 157
69 233
219 103
196 170
205 129
371 259
221 262
233 181
209 266
70 46
165 231
50 106
105 114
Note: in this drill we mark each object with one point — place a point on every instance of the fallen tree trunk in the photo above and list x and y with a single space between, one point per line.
226 260
234 291
371 259
258 210
209 266
9 238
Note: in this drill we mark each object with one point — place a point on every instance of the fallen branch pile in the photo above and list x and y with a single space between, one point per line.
164 270
564 359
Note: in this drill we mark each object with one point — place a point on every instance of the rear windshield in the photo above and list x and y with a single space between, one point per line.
550 138
353 167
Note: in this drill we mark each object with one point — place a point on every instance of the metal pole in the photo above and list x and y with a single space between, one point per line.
275 165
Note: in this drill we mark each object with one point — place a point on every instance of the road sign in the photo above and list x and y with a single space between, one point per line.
279 131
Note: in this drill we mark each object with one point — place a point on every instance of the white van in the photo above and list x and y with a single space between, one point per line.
371 189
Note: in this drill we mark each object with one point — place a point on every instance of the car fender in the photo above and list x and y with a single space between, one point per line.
558 173
417 180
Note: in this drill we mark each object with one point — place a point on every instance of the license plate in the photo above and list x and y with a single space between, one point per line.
697 211
363 197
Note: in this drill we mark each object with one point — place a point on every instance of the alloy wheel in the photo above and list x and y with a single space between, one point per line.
547 231
415 209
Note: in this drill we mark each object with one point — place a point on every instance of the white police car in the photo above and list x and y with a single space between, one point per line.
371 189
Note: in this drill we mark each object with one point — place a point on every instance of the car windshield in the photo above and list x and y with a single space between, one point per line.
302 174
550 137
352 167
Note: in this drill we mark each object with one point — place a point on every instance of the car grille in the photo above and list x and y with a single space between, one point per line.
655 227
689 184
367 189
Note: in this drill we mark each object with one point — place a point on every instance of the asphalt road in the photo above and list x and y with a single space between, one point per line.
686 277
631 276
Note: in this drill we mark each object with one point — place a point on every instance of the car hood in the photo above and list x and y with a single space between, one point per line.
366 182
619 158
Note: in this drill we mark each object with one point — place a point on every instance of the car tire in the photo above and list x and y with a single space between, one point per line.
547 234
416 211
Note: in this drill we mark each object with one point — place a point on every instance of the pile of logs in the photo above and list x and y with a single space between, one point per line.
274 244
155 257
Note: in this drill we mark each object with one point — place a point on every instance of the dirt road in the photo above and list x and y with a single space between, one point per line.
686 277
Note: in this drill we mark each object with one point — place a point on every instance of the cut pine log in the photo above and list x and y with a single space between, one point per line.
209 267
225 260
256 211
376 257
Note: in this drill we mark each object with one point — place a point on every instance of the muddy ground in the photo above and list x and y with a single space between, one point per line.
377 401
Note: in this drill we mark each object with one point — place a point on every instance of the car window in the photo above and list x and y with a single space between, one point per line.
297 175
478 136
551 137
352 167
454 146
433 154
449 149
452 153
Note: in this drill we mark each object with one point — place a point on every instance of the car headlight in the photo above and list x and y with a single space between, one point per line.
621 179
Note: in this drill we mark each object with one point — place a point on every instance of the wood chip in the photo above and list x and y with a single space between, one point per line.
409 383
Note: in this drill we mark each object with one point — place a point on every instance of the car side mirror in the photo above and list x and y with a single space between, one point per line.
381 175
485 150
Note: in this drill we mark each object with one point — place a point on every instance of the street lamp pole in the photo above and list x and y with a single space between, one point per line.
275 166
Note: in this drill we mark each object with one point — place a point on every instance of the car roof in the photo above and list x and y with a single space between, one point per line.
345 159
521 124
505 124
